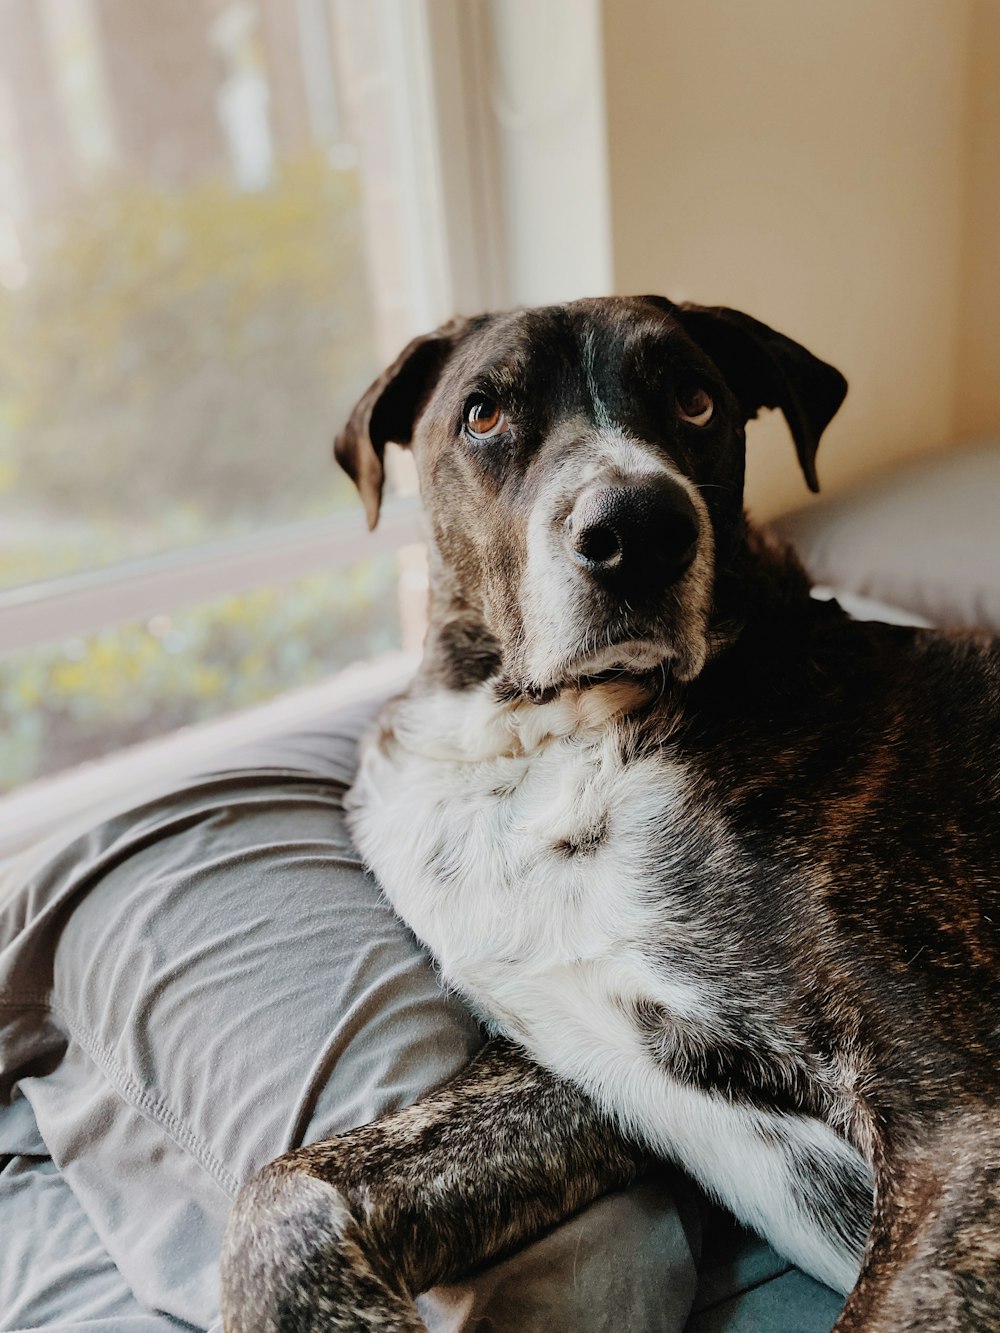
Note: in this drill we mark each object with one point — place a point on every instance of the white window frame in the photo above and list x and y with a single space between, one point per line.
453 249
79 604
461 188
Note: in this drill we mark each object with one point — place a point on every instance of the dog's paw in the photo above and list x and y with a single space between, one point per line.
294 1260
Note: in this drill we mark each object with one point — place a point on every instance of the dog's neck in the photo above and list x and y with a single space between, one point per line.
759 583
760 579
478 727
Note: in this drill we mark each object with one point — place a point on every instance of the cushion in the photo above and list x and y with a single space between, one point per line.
924 537
200 983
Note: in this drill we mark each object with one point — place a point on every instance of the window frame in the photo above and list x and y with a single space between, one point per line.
34 614
437 56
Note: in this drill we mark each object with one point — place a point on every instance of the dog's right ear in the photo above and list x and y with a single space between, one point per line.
388 410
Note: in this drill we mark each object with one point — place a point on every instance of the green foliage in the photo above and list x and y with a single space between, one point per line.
73 701
192 350
173 373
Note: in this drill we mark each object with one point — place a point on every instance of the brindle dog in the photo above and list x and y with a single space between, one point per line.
719 866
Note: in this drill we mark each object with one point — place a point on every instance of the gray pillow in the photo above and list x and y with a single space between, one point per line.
195 986
924 537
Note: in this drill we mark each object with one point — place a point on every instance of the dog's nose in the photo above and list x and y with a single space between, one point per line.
641 533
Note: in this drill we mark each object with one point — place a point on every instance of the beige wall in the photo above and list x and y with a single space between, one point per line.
977 384
806 162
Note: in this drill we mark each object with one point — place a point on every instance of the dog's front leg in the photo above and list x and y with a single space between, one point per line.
342 1235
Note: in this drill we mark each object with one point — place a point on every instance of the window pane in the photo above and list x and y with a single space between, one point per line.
185 313
80 699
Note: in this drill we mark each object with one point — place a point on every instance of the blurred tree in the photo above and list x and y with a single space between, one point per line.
188 352
67 702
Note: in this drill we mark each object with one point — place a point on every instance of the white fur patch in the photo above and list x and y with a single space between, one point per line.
534 863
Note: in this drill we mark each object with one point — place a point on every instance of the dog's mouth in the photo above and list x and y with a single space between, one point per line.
628 657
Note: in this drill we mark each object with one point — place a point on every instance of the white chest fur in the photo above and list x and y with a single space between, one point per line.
515 861
533 860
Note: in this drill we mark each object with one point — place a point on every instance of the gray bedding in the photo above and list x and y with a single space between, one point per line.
195 985
924 537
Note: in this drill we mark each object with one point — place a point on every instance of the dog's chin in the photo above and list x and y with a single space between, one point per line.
631 658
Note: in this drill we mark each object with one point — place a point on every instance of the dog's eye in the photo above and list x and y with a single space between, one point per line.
695 405
484 418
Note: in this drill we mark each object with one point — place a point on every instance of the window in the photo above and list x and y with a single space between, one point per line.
217 221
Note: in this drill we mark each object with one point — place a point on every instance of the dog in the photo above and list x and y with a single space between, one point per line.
717 866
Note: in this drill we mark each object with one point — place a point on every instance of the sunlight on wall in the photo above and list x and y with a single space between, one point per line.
806 164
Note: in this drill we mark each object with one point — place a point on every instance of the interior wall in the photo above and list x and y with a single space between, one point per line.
806 163
977 381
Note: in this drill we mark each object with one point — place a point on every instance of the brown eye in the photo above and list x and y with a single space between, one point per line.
695 406
484 419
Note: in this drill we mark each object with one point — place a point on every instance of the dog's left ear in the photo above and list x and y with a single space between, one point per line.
765 369
388 410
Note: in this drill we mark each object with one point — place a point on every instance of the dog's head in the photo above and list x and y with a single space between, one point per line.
582 468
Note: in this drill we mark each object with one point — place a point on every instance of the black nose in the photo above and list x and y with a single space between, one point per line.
641 534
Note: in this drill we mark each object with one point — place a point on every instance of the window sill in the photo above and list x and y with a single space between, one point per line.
67 803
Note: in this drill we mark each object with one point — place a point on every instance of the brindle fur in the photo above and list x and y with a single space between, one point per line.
858 903
338 1236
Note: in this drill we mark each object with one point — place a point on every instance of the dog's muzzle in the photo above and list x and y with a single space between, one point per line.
635 538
